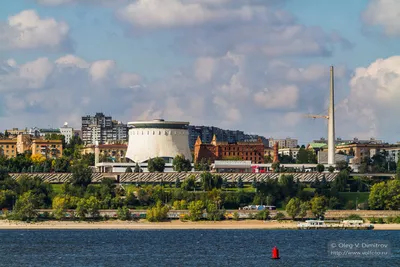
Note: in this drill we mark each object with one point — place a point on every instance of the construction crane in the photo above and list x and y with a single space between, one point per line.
316 116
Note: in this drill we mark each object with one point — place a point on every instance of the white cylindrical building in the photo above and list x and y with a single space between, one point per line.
158 138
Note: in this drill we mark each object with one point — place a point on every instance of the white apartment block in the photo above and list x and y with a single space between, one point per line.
289 152
283 143
393 154
68 132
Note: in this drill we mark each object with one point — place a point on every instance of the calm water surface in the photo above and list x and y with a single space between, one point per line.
184 247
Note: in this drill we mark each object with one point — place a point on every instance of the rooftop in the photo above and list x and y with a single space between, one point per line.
159 123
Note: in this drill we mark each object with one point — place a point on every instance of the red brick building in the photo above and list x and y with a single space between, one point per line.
253 151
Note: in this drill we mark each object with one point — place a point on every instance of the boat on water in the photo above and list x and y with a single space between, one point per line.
345 224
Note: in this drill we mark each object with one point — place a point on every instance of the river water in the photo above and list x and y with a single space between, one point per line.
190 247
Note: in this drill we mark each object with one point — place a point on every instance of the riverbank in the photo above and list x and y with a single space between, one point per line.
171 225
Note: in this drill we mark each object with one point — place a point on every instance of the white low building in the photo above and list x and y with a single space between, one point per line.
158 138
289 152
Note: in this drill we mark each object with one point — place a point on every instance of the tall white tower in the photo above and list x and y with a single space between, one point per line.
331 122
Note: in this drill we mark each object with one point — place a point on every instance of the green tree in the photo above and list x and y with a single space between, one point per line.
156 165
276 166
81 175
207 181
128 170
319 206
331 169
342 165
385 195
398 170
202 165
224 183
304 207
302 156
340 182
293 207
59 207
124 214
137 168
7 198
196 210
177 183
25 207
262 215
213 213
378 196
240 183
157 213
254 183
286 183
81 209
181 164
189 183
320 168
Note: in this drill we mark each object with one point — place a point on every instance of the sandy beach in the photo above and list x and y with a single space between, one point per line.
175 224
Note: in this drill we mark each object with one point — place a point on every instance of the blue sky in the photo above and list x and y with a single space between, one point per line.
251 65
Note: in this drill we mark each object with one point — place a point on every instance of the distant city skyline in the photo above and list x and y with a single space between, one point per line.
253 66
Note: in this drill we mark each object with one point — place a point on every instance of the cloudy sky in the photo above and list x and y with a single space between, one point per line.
253 65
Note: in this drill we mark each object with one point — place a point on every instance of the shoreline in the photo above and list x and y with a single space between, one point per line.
170 225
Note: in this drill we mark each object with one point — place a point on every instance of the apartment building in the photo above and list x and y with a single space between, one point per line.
206 134
8 148
103 129
114 152
50 149
283 143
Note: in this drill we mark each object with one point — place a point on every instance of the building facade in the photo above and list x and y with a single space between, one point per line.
112 152
206 134
355 140
283 143
50 149
8 148
103 129
360 151
247 151
289 152
67 132
158 138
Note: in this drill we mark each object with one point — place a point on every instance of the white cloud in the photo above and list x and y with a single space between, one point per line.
27 30
42 91
204 69
72 61
67 2
281 97
180 13
101 70
372 105
384 13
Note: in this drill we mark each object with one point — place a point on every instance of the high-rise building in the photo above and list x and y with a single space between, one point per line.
283 143
102 129
206 134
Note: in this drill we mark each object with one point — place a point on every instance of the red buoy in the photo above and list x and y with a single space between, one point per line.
275 253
